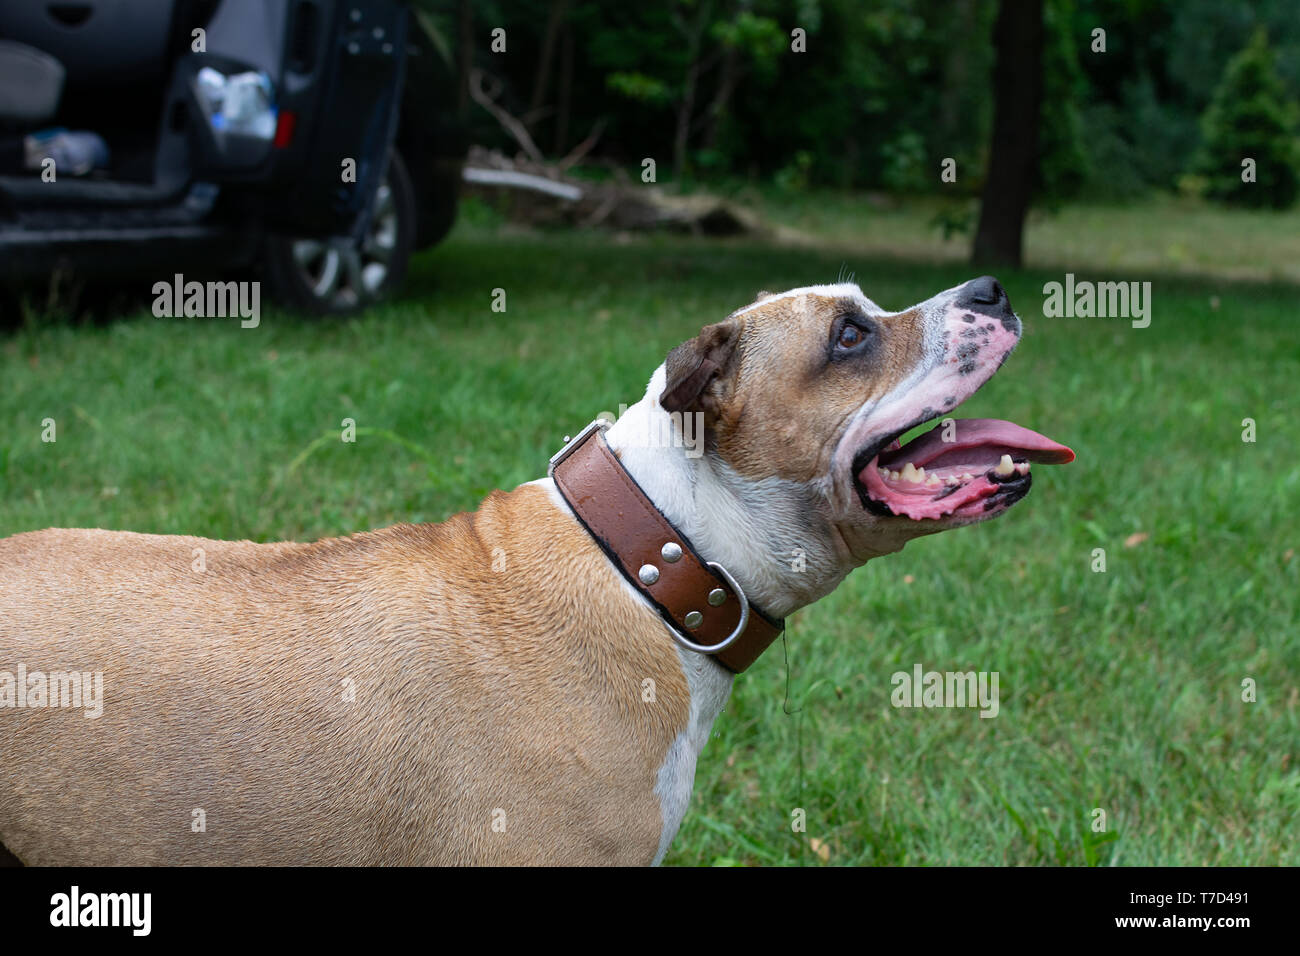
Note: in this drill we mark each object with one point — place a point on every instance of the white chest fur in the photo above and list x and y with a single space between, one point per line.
710 686
725 526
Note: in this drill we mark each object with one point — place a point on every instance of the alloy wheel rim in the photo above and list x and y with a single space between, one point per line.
344 272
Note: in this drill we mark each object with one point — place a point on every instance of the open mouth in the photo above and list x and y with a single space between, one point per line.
984 465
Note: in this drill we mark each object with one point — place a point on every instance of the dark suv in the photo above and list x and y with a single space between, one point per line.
310 140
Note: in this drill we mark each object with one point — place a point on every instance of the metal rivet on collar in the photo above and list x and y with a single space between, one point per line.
672 552
693 619
648 574
717 596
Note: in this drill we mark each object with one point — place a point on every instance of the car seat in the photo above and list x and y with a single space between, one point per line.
31 83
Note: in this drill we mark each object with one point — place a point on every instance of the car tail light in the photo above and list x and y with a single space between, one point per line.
284 129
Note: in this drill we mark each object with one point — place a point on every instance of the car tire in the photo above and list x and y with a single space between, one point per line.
343 275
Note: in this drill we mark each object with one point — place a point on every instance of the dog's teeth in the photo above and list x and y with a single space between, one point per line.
1005 467
967 477
911 474
934 481
952 480
1023 467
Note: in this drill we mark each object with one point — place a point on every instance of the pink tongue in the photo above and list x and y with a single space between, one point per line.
974 433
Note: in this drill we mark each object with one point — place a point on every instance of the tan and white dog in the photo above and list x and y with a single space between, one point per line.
474 692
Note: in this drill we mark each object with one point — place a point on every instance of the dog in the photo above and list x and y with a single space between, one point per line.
506 687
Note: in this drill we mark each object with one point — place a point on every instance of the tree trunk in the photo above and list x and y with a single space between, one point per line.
1013 153
565 104
727 83
464 54
954 107
541 82
693 34
684 111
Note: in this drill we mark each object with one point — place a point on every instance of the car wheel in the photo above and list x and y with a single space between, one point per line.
341 275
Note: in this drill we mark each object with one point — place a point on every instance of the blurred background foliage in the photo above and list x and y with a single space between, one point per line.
708 88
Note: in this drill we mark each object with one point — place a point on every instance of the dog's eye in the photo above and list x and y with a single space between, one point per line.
851 338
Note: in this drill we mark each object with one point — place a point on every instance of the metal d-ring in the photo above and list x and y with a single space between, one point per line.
740 627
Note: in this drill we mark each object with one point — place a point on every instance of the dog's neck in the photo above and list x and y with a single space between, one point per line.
772 534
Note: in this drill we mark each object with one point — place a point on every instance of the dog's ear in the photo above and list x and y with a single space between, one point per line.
693 366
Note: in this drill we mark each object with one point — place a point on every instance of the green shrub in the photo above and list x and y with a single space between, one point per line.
1251 118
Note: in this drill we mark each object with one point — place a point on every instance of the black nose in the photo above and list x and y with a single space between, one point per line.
986 295
983 291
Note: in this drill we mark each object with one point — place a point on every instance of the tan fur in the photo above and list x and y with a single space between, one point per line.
501 665
782 408
476 690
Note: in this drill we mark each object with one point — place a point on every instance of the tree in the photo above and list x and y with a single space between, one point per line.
1249 151
1013 153
712 45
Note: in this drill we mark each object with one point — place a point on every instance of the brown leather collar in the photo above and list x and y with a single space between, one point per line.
701 603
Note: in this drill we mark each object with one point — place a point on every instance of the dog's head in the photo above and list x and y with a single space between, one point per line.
816 385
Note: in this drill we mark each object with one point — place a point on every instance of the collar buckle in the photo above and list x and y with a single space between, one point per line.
572 444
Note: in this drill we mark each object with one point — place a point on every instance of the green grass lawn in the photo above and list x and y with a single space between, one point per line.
1119 690
1170 235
